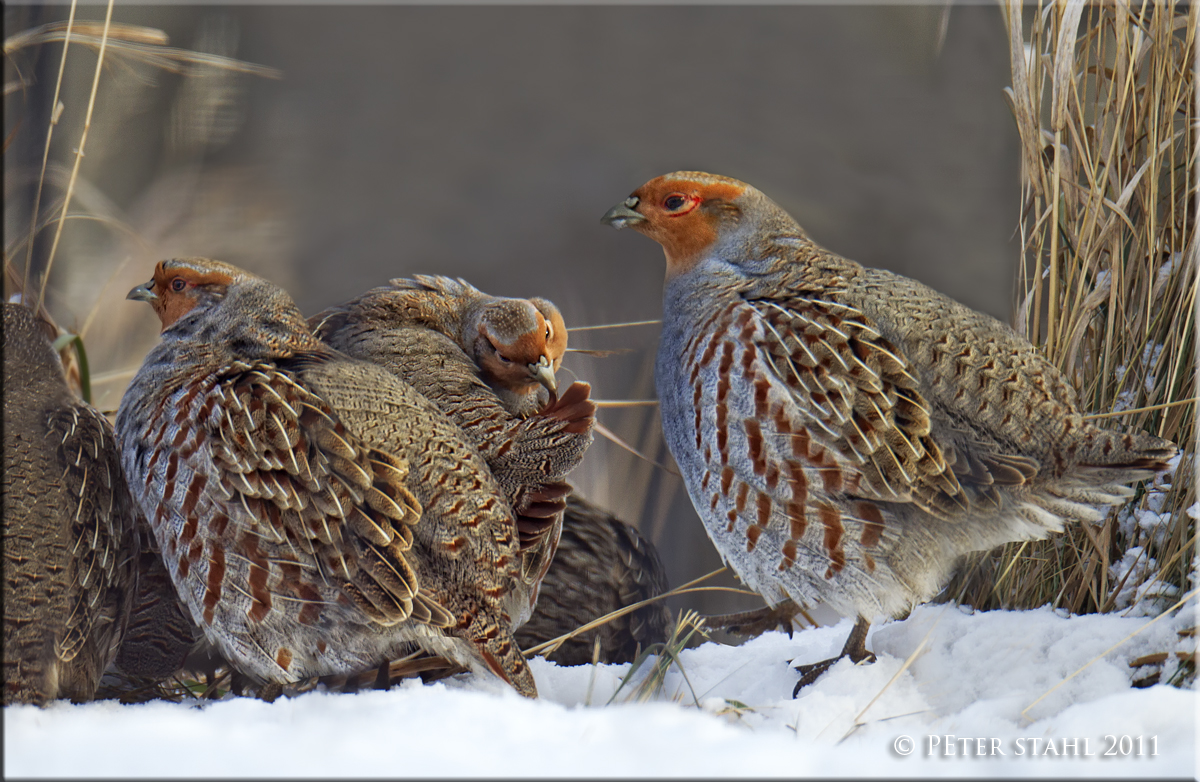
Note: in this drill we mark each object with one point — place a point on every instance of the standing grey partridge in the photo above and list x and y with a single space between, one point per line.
845 433
316 514
69 532
488 363
602 564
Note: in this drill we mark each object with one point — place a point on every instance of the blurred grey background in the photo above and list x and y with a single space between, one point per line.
486 142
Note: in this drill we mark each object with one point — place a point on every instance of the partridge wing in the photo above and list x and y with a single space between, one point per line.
306 483
856 394
804 424
102 526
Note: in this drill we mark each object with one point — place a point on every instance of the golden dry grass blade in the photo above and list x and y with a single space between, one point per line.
553 645
87 124
114 375
1120 413
143 44
604 431
616 325
600 353
59 31
117 225
37 199
550 646
1117 645
665 656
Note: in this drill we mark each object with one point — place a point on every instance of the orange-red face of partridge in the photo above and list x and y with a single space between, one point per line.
680 213
176 288
529 358
555 330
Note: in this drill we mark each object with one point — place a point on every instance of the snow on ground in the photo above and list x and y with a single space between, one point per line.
964 693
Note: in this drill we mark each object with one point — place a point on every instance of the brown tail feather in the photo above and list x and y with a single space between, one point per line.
496 647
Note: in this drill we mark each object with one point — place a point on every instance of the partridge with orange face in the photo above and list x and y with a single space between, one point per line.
845 433
70 538
317 515
488 362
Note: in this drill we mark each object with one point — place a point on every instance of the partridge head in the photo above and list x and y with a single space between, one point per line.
846 433
518 344
316 515
693 216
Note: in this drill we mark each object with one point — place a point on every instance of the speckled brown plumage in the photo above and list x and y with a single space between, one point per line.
69 534
488 363
316 514
161 633
602 564
845 433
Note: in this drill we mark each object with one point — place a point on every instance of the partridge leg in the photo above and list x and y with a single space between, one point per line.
855 649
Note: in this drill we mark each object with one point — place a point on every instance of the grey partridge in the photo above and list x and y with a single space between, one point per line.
602 565
317 515
846 433
161 633
488 362
69 531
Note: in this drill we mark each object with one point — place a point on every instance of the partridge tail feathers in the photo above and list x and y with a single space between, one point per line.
495 646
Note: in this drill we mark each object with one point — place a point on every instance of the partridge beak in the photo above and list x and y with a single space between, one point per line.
143 293
622 215
543 373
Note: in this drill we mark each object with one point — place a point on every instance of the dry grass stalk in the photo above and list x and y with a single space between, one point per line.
549 647
1104 98
661 657
1102 655
87 125
141 44
110 39
616 325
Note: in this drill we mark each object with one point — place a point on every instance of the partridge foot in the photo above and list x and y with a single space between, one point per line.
855 649
754 623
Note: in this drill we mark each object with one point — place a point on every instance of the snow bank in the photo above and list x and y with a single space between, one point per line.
963 693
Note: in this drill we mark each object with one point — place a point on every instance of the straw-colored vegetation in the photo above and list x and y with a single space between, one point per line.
1104 99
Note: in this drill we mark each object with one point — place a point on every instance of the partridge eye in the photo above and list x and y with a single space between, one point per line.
675 201
178 284
503 360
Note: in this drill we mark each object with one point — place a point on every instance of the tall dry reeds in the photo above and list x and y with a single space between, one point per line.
70 251
1104 98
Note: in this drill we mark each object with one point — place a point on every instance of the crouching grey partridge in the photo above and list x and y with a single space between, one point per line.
845 433
69 531
316 514
488 363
